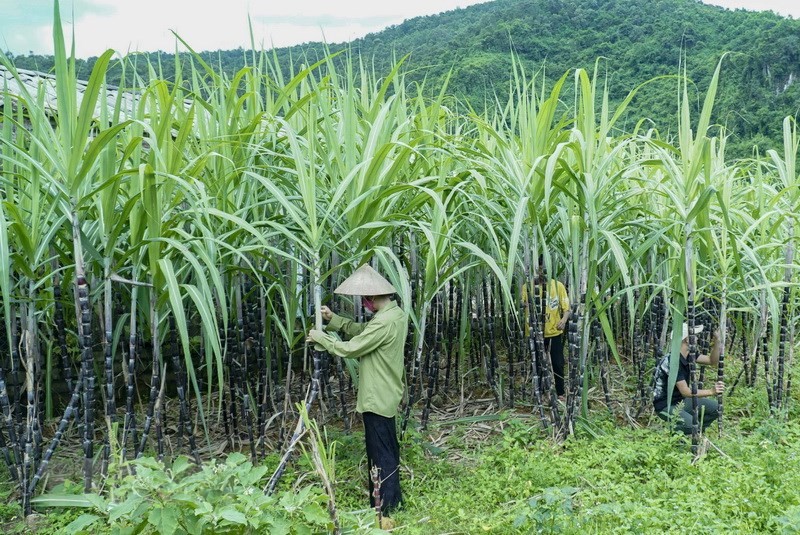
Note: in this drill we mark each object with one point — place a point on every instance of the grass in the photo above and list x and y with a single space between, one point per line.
606 479
501 475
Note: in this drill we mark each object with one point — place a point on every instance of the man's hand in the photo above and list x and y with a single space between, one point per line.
719 387
561 325
312 333
327 315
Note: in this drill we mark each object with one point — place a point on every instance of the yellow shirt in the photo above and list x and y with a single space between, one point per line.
557 304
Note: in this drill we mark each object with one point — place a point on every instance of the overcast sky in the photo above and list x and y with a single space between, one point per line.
145 25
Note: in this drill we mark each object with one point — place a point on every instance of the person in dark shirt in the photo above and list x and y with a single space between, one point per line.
680 409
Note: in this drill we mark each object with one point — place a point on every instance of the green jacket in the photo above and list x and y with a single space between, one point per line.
379 344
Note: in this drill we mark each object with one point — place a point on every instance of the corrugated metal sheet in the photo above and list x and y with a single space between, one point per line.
39 84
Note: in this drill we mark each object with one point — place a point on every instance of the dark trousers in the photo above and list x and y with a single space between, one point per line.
383 451
681 414
555 346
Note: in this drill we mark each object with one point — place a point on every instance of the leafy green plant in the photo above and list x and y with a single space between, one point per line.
789 522
221 497
549 512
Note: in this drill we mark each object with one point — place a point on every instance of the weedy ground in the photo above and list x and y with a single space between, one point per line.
475 470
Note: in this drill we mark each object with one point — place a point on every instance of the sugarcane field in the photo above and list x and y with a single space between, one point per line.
319 297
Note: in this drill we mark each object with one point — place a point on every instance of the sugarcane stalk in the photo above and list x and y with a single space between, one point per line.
435 349
492 365
15 468
451 312
129 425
155 377
315 384
183 407
412 393
376 494
723 330
692 357
61 332
70 412
537 352
111 408
30 340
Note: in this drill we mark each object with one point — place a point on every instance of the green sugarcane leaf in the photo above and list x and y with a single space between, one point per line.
63 500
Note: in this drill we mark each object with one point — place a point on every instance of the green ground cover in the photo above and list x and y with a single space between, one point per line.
501 474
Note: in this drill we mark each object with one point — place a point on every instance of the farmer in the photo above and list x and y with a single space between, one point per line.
680 409
557 313
379 345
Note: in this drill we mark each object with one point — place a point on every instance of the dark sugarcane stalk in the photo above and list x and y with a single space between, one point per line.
492 365
512 344
790 362
459 313
520 323
574 383
412 393
450 327
248 418
7 456
548 379
784 328
108 355
536 351
84 317
427 370
155 378
159 418
249 353
87 369
736 381
473 341
740 335
184 421
299 430
639 358
652 332
762 343
15 385
129 425
782 350
30 345
753 372
15 468
230 365
704 342
602 354
287 398
342 389
70 412
325 376
340 376
263 371
276 343
61 333
435 349
175 350
483 362
693 350
723 327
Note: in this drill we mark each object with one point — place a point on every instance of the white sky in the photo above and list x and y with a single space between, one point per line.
145 25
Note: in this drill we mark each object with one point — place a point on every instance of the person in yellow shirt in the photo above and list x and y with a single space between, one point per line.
557 313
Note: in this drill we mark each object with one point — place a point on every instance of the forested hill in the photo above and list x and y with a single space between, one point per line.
639 39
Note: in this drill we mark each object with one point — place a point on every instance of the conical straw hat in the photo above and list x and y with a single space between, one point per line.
365 281
685 334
